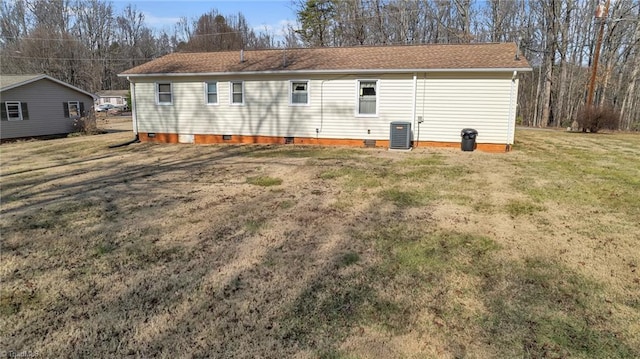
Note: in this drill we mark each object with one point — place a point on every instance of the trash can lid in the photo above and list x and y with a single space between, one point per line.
468 131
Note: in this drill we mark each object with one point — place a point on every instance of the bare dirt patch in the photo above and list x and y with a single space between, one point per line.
279 251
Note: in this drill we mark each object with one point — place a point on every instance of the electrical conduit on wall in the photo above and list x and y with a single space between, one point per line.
511 119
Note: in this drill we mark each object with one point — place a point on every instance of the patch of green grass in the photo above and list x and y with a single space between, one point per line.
455 172
335 173
517 208
331 306
254 225
418 252
533 308
264 181
348 259
324 313
286 204
426 160
481 206
356 178
402 198
58 216
321 153
12 302
438 253
105 248
143 253
592 175
542 309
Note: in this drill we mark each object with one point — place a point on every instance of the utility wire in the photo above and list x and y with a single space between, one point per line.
75 58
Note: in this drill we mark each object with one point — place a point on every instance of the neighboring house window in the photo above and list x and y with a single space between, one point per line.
237 92
367 97
14 111
212 92
164 94
73 109
299 92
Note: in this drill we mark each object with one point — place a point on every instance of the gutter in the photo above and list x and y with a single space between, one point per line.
327 72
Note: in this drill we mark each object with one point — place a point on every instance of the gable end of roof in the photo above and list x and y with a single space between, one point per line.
21 80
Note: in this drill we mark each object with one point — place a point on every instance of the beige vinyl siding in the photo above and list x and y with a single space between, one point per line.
44 100
450 103
266 111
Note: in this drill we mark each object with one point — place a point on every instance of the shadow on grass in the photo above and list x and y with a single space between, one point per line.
148 290
540 308
534 309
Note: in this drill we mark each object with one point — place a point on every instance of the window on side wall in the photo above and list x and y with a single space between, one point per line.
164 94
367 97
73 109
299 92
237 93
211 89
14 111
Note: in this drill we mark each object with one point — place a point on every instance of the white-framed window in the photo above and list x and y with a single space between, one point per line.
367 98
13 110
299 92
237 92
73 109
164 94
211 93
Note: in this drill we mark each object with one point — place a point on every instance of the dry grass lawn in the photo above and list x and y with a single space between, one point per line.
287 251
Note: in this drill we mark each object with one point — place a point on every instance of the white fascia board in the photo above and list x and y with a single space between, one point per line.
312 72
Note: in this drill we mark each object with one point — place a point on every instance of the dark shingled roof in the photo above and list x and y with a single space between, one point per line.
410 57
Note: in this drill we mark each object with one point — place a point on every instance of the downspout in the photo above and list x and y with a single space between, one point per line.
424 93
413 110
321 109
511 119
134 120
134 116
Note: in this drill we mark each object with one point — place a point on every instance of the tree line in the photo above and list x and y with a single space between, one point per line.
85 43
558 37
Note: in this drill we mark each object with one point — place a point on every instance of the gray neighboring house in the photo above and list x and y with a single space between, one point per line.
39 105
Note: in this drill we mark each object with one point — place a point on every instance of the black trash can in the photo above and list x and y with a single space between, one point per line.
468 139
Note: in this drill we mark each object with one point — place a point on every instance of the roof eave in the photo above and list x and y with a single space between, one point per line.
352 71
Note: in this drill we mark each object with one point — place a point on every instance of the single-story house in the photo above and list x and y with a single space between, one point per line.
39 105
117 98
342 96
